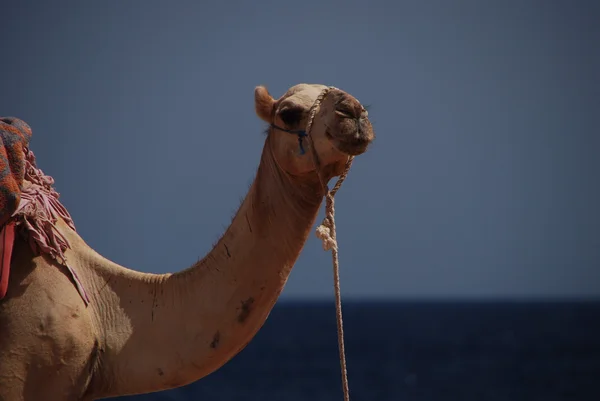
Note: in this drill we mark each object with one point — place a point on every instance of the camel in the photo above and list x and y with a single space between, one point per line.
142 332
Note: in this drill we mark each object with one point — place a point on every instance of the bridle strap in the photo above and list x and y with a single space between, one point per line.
306 134
326 231
300 133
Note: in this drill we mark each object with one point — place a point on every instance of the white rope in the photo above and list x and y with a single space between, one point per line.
326 232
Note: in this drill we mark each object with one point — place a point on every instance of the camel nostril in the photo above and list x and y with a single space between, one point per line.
358 128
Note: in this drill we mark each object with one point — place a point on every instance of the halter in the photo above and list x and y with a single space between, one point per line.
301 134
326 231
304 133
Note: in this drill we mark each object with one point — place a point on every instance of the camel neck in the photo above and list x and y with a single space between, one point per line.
276 214
199 318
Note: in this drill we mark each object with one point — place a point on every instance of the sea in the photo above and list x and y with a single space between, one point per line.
414 351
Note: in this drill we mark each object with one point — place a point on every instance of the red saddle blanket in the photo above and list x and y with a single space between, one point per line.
14 137
7 240
29 205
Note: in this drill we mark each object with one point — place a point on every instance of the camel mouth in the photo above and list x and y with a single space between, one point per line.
353 142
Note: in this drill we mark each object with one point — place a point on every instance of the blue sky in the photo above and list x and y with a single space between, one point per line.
483 181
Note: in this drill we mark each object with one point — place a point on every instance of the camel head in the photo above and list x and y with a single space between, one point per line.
340 128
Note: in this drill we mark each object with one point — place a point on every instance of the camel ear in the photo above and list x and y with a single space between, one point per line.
263 103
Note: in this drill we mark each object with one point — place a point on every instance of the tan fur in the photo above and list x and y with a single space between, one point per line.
148 332
264 103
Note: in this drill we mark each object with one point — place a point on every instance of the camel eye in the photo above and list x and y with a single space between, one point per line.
291 116
344 113
343 110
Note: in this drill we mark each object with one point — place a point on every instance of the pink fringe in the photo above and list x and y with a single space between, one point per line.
37 214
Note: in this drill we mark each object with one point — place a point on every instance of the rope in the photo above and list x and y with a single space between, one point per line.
301 134
326 232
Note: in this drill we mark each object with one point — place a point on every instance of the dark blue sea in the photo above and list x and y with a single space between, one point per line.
414 351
